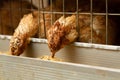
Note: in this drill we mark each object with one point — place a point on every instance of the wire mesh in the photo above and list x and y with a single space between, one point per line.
63 8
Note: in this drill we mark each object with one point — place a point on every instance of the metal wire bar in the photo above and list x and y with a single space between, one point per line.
31 4
21 9
59 12
51 8
64 10
39 18
54 12
1 24
110 14
91 19
63 7
114 14
106 22
86 13
11 16
43 17
77 22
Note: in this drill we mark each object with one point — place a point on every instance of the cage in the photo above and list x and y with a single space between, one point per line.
93 56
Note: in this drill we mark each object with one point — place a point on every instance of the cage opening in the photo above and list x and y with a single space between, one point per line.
97 11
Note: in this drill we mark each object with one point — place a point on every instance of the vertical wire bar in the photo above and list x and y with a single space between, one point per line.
63 8
11 18
77 22
0 24
43 18
39 19
21 9
31 5
106 22
51 8
91 19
